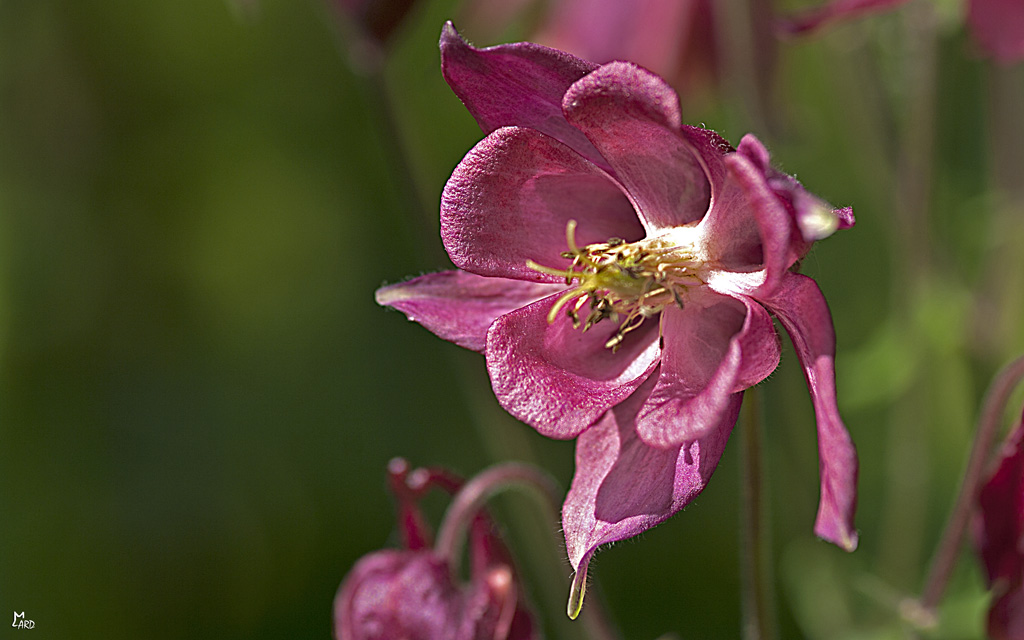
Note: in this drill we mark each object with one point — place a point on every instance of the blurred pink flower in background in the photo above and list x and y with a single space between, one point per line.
998 27
999 538
413 593
827 13
674 38
617 269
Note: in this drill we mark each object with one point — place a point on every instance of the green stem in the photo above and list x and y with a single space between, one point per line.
758 598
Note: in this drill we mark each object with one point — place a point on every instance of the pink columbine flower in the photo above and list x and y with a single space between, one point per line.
619 271
999 538
413 592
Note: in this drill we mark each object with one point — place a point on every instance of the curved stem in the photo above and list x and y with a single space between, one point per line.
988 426
475 493
472 497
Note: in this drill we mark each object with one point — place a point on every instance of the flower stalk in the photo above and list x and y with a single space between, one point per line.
758 599
949 546
472 497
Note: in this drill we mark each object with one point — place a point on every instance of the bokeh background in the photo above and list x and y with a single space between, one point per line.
199 395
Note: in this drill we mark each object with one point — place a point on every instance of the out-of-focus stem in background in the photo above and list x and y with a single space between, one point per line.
989 421
905 501
757 580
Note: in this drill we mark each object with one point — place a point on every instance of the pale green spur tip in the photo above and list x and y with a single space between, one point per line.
576 593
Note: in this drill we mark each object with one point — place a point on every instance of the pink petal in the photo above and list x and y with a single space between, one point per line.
814 218
622 487
394 594
802 310
1006 616
519 84
712 149
558 379
730 228
510 198
714 347
774 223
632 117
830 12
459 306
998 529
998 26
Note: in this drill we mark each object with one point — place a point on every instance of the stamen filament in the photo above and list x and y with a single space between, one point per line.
618 278
551 271
565 297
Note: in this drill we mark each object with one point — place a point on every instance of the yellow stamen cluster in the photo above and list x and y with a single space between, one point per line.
634 280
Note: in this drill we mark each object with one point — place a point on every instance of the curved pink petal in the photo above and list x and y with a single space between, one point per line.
998 529
622 487
749 227
714 346
1006 615
519 84
560 380
998 26
632 117
802 310
459 306
712 149
510 198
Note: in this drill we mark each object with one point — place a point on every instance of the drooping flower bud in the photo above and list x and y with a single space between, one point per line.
999 539
414 593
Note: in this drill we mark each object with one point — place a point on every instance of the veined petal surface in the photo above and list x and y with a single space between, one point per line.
519 84
632 117
623 487
560 380
459 306
715 346
510 199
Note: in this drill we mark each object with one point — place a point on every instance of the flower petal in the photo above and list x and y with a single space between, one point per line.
398 594
998 26
622 487
519 84
1006 615
730 232
714 347
632 117
509 200
560 380
459 306
802 310
999 525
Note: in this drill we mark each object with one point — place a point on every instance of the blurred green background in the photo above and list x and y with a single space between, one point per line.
198 394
